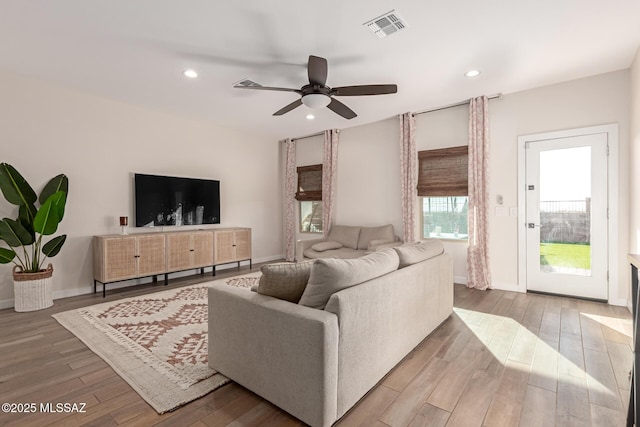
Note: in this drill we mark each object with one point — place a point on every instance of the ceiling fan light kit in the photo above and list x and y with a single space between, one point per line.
316 100
317 94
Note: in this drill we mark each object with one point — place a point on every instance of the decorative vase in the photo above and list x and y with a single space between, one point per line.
32 291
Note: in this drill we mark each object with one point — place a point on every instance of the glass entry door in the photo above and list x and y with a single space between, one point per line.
566 205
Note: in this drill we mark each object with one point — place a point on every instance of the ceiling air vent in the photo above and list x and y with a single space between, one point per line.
387 24
247 83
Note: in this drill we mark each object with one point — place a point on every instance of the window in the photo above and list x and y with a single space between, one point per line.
309 195
443 186
311 217
445 217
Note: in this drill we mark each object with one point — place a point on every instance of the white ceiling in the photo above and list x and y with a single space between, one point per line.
135 51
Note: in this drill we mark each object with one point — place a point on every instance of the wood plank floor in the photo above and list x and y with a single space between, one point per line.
502 359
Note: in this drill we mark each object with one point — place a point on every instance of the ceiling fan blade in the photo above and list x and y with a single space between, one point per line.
288 108
317 70
364 90
281 89
341 109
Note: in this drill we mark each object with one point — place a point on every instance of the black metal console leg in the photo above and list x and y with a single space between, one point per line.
213 271
166 279
104 290
250 263
94 286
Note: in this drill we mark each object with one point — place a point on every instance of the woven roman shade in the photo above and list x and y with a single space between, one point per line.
309 183
443 172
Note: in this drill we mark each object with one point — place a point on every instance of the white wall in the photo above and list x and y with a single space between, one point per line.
634 193
443 129
634 139
585 102
368 174
368 171
99 143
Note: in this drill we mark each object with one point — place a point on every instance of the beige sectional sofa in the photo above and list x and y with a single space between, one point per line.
346 241
362 316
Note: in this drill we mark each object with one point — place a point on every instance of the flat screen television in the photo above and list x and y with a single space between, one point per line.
169 200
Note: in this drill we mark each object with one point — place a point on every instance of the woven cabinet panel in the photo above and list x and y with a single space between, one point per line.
120 261
224 251
243 244
179 251
151 254
202 249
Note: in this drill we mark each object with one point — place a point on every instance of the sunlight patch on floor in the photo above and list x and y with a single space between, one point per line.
491 330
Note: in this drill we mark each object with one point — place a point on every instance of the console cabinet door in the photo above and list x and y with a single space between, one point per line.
178 251
118 258
243 244
224 250
232 245
202 245
150 253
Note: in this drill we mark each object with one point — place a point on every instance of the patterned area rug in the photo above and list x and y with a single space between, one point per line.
156 342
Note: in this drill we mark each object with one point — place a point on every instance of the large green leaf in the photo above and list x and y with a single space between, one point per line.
58 183
15 188
26 215
6 255
47 219
14 233
53 246
60 201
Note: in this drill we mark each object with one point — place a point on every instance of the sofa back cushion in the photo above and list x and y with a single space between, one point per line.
367 234
421 251
347 235
330 275
285 280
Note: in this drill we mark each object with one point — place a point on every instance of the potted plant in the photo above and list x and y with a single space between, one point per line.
24 236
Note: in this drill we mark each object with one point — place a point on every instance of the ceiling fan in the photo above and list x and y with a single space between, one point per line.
317 94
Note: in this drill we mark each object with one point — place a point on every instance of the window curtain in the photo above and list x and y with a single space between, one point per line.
408 179
478 274
329 166
289 208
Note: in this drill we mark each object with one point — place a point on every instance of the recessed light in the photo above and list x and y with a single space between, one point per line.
472 73
310 117
192 74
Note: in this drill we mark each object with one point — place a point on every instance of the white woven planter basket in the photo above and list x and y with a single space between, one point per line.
32 291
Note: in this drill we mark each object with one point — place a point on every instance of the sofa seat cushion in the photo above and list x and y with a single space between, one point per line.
346 253
330 275
367 234
345 234
421 251
285 280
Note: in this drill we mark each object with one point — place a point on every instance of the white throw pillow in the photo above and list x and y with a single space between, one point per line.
330 275
326 246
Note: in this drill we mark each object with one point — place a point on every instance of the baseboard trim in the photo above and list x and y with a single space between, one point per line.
460 280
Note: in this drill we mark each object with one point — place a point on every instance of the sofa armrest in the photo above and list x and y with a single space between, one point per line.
303 245
284 352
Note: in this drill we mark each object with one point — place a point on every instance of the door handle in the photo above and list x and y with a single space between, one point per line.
532 225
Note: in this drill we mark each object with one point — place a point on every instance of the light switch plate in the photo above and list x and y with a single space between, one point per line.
513 211
501 211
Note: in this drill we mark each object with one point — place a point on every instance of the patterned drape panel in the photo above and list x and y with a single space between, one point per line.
329 166
408 176
289 208
478 274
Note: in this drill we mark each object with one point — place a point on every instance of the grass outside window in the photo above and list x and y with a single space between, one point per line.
566 255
